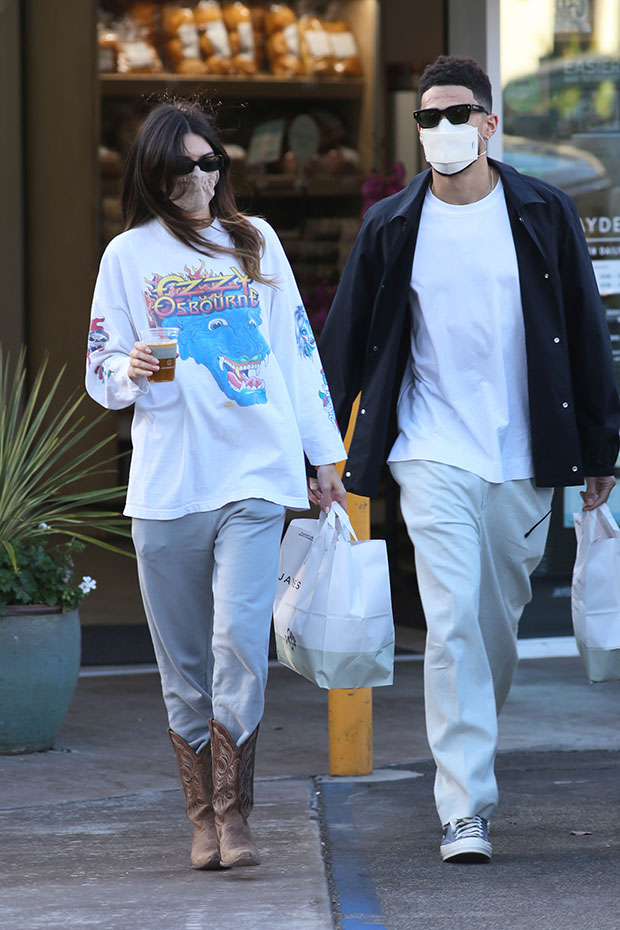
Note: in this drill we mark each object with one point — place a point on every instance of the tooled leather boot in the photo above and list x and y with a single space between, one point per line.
197 778
233 795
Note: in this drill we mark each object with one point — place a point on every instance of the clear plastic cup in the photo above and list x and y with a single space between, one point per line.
162 341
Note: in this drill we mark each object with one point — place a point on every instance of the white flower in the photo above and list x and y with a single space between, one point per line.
87 584
44 526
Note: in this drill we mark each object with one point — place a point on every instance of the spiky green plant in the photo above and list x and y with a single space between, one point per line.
43 457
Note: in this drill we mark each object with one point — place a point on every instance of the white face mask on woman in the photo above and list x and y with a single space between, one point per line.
193 192
450 149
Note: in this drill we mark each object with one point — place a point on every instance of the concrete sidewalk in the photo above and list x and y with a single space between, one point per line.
94 833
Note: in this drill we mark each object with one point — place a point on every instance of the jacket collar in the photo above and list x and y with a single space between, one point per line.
517 186
410 200
518 189
519 192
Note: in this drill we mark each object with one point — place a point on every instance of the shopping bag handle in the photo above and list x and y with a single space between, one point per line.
337 513
587 522
335 522
606 519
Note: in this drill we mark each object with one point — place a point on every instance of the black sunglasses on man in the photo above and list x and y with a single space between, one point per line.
457 114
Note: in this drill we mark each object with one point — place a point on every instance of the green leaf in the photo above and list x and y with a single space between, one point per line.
46 455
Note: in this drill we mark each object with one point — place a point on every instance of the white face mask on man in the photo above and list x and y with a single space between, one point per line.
192 192
450 149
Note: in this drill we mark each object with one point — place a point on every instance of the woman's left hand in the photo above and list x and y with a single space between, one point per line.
327 487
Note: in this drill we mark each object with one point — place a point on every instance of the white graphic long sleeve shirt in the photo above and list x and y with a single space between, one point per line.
249 395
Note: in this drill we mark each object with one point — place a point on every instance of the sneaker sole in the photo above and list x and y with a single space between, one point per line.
466 851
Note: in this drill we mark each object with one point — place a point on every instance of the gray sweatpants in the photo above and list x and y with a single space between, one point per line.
208 582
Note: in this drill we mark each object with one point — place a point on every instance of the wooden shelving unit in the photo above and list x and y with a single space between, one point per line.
241 102
357 97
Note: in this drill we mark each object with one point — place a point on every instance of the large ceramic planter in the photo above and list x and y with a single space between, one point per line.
39 668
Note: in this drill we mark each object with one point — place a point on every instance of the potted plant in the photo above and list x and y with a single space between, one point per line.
45 455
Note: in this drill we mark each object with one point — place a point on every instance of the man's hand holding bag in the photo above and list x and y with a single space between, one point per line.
333 611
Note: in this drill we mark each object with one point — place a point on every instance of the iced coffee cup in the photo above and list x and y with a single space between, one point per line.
162 342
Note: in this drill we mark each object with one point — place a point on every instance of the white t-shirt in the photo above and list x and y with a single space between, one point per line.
464 399
249 395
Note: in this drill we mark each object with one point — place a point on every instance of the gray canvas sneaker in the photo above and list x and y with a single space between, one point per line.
466 840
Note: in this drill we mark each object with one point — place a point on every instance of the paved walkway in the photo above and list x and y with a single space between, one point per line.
94 834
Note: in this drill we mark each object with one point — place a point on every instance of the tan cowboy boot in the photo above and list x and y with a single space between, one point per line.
233 795
197 778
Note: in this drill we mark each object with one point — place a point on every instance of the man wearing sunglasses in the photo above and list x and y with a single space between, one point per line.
469 318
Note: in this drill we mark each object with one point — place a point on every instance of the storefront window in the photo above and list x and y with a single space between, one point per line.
560 68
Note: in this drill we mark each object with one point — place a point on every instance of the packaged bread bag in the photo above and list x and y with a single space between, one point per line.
345 53
241 36
283 51
258 11
315 47
107 48
180 39
214 43
136 53
144 14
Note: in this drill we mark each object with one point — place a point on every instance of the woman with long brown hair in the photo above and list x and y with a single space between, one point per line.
218 452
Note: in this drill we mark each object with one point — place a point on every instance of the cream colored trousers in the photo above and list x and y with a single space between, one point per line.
474 554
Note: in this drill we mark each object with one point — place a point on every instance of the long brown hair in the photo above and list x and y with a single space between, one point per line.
149 178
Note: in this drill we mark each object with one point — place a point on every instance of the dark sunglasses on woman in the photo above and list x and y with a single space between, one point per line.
185 165
457 114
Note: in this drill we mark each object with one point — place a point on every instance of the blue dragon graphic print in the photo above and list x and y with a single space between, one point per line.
219 318
306 343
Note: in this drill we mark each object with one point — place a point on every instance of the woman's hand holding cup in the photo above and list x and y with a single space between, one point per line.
155 356
142 363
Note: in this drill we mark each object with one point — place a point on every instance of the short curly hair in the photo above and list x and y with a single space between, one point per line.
462 72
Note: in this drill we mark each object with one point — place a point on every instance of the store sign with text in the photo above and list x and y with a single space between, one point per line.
603 238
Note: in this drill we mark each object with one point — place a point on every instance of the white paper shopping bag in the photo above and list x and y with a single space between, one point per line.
332 612
595 593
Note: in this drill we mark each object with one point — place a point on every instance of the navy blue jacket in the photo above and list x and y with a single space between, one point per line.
573 394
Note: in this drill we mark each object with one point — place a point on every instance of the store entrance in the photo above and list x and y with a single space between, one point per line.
80 99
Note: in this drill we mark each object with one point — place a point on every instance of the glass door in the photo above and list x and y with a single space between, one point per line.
560 76
560 68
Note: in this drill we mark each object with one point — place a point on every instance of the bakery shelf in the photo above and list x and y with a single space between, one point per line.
262 86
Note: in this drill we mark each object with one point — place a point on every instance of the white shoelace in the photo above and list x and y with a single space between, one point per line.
469 828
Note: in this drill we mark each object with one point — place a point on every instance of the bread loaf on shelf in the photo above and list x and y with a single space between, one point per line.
283 53
144 15
238 22
315 47
137 56
258 11
214 43
225 37
180 40
345 54
108 46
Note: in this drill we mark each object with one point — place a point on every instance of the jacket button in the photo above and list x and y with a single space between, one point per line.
363 410
375 348
565 405
574 468
347 474
546 274
557 339
520 219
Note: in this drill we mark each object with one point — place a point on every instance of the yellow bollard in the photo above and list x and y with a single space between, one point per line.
350 731
350 712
